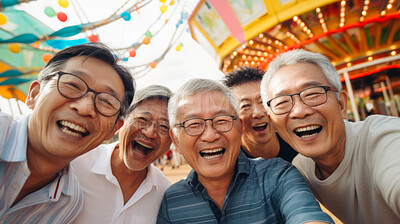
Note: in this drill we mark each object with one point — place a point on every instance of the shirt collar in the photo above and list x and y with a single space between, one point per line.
16 144
242 168
103 166
103 163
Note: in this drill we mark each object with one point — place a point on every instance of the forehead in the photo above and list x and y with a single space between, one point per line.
204 104
152 105
99 75
247 90
295 78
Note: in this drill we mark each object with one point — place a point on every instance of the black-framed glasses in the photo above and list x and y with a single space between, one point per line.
72 86
143 122
311 97
196 126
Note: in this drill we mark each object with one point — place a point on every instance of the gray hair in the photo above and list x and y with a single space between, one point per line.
194 86
150 92
300 56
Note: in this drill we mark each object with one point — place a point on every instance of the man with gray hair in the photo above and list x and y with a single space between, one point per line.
120 183
225 186
352 168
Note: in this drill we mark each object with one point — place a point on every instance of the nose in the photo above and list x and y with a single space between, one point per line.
150 131
85 105
299 109
259 111
209 134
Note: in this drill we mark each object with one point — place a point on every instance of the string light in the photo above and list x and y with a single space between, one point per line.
342 13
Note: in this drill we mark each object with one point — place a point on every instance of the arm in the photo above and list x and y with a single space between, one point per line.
383 138
296 202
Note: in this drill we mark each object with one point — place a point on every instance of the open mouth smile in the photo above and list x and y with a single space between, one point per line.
212 153
305 132
260 127
72 129
142 147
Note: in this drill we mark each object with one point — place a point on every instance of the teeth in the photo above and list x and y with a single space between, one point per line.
73 126
308 128
144 145
306 136
65 130
211 156
260 125
212 150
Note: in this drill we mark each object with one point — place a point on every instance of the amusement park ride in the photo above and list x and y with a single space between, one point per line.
360 37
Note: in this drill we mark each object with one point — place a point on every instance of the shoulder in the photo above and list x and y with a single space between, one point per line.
272 170
178 188
269 165
374 123
90 158
6 120
158 178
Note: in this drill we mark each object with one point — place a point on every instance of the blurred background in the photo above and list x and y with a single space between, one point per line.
168 42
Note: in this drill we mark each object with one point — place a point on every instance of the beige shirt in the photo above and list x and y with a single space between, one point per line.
365 188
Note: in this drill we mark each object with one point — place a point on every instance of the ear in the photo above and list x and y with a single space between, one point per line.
33 94
174 139
117 126
343 104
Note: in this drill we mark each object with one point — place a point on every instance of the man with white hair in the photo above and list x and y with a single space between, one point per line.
120 183
225 186
352 168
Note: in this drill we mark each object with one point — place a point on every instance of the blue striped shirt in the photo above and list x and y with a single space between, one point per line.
261 191
58 202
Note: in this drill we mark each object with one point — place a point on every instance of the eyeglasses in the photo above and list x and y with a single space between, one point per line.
143 122
71 86
312 97
196 126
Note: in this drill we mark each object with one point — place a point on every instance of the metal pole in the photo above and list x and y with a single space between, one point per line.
351 96
391 97
386 99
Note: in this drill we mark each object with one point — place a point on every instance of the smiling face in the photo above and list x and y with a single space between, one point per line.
141 144
317 132
257 132
66 128
211 154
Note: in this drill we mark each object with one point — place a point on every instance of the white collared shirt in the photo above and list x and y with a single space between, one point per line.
58 202
103 199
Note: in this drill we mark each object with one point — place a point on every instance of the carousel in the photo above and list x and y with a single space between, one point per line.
360 37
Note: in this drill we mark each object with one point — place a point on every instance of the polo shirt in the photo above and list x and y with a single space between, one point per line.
104 202
261 191
58 202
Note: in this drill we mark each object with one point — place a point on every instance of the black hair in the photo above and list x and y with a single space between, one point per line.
243 75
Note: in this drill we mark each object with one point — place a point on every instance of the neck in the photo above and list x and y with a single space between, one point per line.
43 170
265 150
327 164
129 180
217 188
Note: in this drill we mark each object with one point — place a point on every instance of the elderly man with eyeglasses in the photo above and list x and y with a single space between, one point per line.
120 183
225 186
353 168
77 102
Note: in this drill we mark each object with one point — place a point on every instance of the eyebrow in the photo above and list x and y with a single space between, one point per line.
303 86
81 73
195 115
145 113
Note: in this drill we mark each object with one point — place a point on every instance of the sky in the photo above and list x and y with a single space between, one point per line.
192 61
